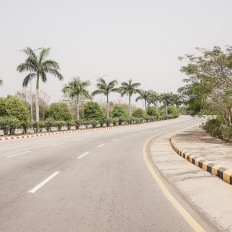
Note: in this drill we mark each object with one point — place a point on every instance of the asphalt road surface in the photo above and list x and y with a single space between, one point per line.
90 181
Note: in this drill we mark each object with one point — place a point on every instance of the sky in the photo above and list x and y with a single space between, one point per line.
123 39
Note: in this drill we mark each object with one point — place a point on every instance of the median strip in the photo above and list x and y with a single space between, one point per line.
17 154
43 182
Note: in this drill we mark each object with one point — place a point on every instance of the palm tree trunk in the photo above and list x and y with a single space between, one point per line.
166 108
78 108
129 105
107 107
37 102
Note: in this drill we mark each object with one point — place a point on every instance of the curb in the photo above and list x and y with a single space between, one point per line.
65 132
223 173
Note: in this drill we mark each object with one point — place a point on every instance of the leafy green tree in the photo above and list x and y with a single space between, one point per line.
129 88
59 112
119 112
209 82
75 90
15 108
39 67
105 88
12 108
93 111
139 113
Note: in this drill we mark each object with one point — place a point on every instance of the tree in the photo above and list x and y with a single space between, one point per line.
105 88
76 89
209 82
59 112
13 108
39 67
153 98
144 95
93 111
166 99
119 112
1 82
129 88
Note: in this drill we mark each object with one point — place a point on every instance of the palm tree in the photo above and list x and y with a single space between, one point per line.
75 89
105 88
129 89
153 98
167 99
38 67
1 82
144 95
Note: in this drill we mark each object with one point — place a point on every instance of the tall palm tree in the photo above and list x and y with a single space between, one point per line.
38 67
105 88
144 95
1 82
75 89
153 98
129 88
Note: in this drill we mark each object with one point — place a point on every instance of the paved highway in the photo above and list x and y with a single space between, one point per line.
90 181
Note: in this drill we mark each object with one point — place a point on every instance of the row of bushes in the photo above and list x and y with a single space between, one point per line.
217 128
9 125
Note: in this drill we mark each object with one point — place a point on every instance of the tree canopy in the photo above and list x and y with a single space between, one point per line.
209 82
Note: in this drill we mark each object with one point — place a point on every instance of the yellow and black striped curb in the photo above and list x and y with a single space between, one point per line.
223 173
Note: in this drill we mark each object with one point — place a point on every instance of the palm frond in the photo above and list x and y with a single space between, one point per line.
43 77
51 64
98 91
55 73
28 78
43 54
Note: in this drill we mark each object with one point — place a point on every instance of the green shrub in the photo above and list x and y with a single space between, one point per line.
115 121
78 123
86 123
94 123
49 123
139 113
59 124
8 125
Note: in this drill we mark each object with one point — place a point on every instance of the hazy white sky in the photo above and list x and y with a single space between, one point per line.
138 39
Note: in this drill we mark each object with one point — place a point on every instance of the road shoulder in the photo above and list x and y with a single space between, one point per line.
206 193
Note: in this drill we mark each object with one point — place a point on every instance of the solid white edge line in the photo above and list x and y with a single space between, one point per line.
101 145
37 187
17 154
86 153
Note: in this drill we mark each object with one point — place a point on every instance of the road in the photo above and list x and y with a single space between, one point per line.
90 181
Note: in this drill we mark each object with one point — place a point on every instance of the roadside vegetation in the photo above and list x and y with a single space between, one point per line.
78 109
208 89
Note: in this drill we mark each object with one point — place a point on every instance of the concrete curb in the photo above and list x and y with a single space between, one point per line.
223 173
65 132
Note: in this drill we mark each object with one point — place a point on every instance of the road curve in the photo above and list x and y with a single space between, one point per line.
92 181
